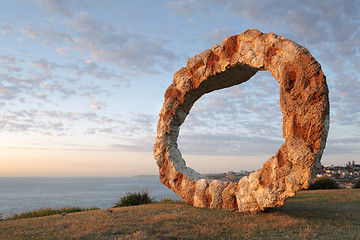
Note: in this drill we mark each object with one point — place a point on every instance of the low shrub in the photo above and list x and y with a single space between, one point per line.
166 200
133 199
357 184
48 212
324 183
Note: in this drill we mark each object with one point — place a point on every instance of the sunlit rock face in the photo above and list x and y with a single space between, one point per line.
304 105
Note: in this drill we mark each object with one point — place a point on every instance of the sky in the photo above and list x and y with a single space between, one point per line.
82 83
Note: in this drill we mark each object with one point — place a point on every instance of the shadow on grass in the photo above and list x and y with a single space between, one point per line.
317 205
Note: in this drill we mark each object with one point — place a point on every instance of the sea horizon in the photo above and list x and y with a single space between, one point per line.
21 194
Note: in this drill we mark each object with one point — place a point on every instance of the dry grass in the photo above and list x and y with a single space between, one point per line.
320 214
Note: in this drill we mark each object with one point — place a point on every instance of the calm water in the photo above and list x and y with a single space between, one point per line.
25 194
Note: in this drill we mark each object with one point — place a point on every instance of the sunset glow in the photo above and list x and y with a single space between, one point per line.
82 83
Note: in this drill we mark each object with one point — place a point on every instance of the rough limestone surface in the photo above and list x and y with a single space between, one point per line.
304 105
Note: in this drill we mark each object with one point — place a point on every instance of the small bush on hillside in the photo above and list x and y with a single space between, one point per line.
324 183
357 184
133 199
166 200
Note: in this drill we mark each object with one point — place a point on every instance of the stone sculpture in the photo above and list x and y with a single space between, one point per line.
304 104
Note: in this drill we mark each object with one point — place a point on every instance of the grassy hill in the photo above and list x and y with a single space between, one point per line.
318 214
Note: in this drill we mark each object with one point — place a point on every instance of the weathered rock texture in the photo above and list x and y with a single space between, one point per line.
305 108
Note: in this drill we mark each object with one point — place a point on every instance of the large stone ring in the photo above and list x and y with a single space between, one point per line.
304 103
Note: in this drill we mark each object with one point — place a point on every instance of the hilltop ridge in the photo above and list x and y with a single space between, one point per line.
317 214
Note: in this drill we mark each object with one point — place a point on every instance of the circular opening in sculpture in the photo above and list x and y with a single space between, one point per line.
304 104
233 129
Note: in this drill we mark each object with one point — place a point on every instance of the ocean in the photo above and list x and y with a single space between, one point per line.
25 194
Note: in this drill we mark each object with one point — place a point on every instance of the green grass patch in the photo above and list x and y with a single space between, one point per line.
48 212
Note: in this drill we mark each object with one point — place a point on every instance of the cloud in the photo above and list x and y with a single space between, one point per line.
74 68
342 146
42 63
242 120
98 41
57 87
218 34
9 117
330 31
99 72
117 46
7 59
93 106
8 93
31 113
52 37
6 28
40 78
227 144
56 6
136 135
20 121
56 122
107 130
30 31
86 25
83 56
311 22
181 8
59 126
88 67
333 26
141 125
62 52
28 122
98 105
48 86
46 133
249 107
70 115
102 43
130 148
42 95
